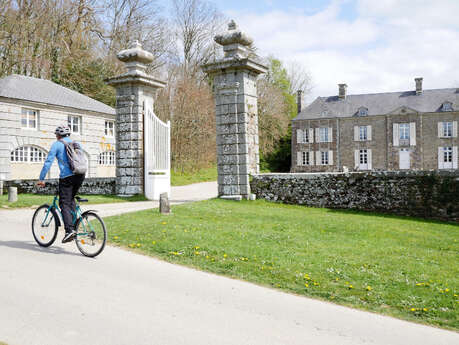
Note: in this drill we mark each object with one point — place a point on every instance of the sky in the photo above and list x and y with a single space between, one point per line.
371 45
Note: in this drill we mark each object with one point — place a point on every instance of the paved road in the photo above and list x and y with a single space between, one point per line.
56 296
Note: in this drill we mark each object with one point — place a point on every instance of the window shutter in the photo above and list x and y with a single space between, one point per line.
454 129
356 133
370 165
299 159
311 135
330 157
396 134
369 136
454 157
299 136
440 158
356 159
330 134
311 157
317 135
440 129
412 133
318 158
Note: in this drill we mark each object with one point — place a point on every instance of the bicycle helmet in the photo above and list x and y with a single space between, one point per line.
62 131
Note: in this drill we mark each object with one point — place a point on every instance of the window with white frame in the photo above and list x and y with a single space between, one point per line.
363 157
447 129
324 157
447 106
447 155
323 134
109 128
363 133
29 118
107 158
28 154
306 159
305 136
74 123
404 130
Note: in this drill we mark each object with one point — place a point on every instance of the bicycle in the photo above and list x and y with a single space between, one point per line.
91 234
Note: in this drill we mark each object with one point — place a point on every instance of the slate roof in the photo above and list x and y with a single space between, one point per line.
45 91
379 103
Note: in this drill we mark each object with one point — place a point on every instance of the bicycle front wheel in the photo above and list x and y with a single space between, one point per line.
44 226
91 234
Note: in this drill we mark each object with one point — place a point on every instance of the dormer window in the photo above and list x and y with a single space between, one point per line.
362 111
447 106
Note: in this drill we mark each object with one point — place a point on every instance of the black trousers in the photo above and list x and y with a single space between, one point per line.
68 188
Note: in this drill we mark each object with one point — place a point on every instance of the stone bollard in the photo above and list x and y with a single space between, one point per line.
1 187
12 194
164 205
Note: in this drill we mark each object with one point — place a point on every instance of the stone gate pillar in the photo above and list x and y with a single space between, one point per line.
135 90
234 82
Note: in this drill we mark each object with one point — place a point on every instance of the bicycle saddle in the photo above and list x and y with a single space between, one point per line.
80 199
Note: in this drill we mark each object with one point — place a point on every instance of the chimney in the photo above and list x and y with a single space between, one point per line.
418 86
342 91
299 95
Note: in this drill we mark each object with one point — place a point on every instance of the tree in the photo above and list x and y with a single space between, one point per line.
276 108
196 22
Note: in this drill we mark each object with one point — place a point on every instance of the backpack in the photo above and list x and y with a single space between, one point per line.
77 159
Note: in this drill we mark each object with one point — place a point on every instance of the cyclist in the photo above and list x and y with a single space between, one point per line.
69 183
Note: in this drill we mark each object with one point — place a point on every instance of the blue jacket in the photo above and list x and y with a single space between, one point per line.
57 151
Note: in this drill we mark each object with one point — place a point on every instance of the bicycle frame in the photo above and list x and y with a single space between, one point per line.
75 215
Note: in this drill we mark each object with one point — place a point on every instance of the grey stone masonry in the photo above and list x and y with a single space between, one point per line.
134 89
234 79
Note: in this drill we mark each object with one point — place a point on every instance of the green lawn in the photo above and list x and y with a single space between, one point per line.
404 267
184 178
29 200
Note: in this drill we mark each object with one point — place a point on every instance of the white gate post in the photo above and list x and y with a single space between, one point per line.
134 89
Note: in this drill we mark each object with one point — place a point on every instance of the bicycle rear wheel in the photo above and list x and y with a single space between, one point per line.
44 226
91 234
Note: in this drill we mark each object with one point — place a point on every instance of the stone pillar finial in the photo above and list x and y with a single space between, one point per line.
232 25
234 42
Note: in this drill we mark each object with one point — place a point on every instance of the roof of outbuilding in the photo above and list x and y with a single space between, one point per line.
379 103
45 91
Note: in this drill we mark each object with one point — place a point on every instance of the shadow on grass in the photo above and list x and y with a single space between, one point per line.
35 247
389 216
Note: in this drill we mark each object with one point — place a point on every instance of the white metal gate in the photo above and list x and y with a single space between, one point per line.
156 155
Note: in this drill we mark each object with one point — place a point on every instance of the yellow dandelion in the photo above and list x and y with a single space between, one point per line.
153 242
115 238
207 256
163 223
413 309
350 287
336 279
369 288
225 255
425 309
307 285
197 253
446 290
138 245
196 247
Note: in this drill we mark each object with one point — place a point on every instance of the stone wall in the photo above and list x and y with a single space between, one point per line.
104 186
416 193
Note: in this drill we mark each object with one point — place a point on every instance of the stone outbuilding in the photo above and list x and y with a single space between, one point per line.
410 130
31 109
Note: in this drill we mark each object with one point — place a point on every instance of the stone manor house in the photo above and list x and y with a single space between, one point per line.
31 109
411 130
